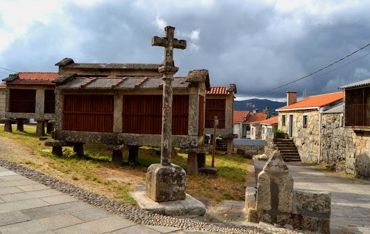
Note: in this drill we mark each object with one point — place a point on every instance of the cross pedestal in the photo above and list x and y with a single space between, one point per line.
166 181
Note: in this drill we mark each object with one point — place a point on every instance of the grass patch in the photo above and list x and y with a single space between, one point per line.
96 173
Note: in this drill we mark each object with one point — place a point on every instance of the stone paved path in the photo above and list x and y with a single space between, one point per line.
350 198
29 207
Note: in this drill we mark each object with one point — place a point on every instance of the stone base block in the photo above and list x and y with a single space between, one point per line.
188 207
165 183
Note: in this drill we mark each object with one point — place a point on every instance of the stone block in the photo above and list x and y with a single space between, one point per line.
165 183
252 215
307 203
250 198
78 148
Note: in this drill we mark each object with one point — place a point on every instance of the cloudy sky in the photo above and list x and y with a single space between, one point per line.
256 44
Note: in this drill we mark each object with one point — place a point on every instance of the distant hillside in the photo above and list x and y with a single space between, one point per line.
259 104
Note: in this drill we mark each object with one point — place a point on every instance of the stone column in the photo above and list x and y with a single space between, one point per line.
133 155
20 123
40 128
192 164
8 125
49 126
201 158
57 151
117 156
40 103
117 114
230 145
78 148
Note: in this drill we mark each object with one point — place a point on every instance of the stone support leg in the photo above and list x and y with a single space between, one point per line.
57 151
49 127
192 168
8 126
230 145
20 123
117 157
78 148
201 158
133 155
40 130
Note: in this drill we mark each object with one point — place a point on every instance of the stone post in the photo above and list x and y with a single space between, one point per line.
8 125
165 181
49 126
117 157
78 148
20 123
133 155
40 128
192 164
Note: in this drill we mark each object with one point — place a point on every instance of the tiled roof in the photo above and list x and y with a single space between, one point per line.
218 90
270 121
240 116
43 78
358 84
314 102
256 117
120 83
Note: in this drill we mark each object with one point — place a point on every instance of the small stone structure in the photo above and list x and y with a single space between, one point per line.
30 95
275 201
2 99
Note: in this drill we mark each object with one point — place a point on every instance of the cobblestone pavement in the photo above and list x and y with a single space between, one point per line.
350 198
29 207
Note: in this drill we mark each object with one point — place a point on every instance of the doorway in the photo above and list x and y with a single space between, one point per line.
290 132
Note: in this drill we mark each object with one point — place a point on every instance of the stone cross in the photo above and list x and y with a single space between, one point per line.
167 69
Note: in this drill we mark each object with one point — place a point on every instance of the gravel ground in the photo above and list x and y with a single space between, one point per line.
133 213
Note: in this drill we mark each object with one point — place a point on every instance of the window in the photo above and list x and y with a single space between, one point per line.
305 121
283 120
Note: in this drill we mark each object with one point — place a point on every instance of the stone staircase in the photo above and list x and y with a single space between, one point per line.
287 149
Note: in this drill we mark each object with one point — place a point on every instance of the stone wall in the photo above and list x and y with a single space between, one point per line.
306 139
344 148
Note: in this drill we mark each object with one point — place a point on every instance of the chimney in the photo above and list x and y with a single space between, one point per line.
291 97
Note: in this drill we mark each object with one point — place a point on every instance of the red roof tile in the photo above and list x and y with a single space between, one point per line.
256 117
218 90
44 78
240 116
313 102
271 121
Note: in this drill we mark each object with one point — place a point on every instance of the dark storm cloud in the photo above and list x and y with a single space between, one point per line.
249 43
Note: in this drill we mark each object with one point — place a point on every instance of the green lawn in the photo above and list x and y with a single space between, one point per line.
96 172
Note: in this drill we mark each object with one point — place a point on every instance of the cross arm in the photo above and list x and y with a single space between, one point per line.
179 44
159 41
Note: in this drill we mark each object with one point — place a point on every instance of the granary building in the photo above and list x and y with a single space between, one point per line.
121 105
30 95
220 104
302 121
